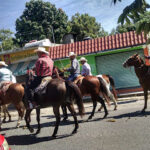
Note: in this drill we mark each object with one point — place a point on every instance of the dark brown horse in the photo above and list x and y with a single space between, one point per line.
58 92
14 95
141 71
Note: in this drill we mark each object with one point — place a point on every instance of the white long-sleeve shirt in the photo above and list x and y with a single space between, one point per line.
86 70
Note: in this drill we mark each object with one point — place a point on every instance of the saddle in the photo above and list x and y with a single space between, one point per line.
4 87
78 79
41 89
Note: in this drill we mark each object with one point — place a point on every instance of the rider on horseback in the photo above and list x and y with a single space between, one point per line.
43 68
6 75
75 67
86 69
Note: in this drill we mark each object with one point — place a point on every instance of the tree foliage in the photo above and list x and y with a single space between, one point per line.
143 25
125 28
41 20
6 40
132 12
83 25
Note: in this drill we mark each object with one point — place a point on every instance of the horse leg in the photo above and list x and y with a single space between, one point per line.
57 115
94 107
114 101
0 117
38 120
103 104
64 110
20 110
101 107
145 98
72 110
4 112
27 119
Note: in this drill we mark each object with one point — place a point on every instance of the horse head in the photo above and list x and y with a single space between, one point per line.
30 76
134 60
57 73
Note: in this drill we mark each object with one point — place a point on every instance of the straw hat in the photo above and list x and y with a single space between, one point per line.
83 59
72 54
42 49
2 63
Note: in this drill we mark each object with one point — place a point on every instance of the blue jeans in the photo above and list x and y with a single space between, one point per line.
72 77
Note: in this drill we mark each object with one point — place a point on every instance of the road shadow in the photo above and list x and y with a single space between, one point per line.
126 102
32 139
132 114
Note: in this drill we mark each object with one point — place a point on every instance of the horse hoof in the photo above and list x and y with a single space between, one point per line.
143 111
31 130
37 132
90 117
74 132
4 121
65 119
105 116
54 136
115 109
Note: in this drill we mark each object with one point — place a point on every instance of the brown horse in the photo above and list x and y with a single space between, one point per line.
141 71
90 85
57 93
14 95
94 86
109 81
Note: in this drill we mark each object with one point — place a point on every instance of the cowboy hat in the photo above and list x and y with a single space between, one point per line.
2 63
42 49
83 59
72 54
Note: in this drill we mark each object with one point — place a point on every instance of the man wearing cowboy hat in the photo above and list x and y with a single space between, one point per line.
75 67
43 68
5 74
86 69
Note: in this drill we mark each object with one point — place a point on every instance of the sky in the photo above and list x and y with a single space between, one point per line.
104 12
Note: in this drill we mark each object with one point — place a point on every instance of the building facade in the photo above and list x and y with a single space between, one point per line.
105 56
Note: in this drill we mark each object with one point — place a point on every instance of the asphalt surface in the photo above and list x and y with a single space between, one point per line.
124 129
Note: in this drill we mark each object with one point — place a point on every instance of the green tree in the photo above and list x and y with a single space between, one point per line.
144 23
83 25
6 40
113 31
41 20
125 28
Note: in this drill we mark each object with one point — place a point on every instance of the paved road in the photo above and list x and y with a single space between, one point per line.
124 129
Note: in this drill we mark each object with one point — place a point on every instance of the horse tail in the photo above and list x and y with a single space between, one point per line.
112 83
103 89
73 89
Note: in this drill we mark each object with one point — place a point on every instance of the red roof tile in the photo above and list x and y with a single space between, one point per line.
112 42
